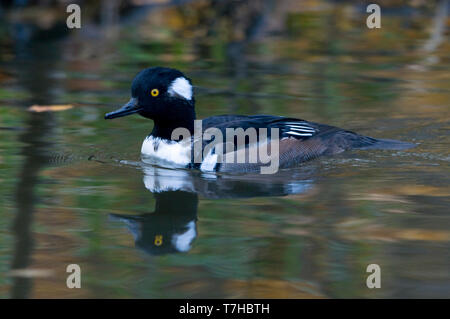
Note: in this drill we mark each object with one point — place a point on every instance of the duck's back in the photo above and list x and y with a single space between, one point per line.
299 140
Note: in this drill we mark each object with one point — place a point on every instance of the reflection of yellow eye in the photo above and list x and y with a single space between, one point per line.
158 240
154 92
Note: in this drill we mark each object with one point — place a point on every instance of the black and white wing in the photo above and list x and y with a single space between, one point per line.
288 127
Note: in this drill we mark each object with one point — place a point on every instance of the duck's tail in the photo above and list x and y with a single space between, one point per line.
370 143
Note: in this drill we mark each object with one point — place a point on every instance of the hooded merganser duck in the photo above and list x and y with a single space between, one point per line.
166 96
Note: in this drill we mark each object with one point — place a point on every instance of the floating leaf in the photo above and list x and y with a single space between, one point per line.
31 273
50 108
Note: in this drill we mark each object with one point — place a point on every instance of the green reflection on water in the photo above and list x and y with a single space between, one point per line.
389 208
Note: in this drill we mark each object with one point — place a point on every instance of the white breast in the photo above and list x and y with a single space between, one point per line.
165 152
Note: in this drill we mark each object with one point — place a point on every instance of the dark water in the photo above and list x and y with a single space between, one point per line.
73 189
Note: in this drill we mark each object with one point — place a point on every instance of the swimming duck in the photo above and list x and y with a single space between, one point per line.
166 96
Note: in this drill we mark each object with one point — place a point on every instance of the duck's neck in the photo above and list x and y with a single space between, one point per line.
164 128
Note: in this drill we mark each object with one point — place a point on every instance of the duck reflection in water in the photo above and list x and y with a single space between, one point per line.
172 226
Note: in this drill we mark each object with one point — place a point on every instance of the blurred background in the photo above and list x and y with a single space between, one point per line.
74 191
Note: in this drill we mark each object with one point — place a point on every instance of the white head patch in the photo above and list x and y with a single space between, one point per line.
183 241
180 87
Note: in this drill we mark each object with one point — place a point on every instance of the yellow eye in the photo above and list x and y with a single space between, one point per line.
154 92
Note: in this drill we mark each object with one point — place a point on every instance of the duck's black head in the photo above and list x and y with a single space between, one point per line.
164 95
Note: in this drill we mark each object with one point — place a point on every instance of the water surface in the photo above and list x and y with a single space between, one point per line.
73 188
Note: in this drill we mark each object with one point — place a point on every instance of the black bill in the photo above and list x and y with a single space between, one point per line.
129 108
